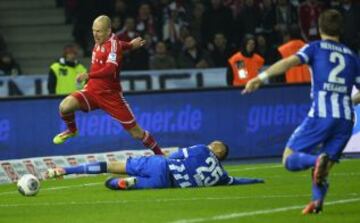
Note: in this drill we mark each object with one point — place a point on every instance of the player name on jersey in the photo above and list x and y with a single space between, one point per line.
329 46
335 88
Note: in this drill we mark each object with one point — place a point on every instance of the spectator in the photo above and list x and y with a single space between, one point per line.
197 20
139 59
285 15
122 9
309 12
267 17
193 56
161 59
146 22
128 32
2 44
245 64
177 47
63 73
179 7
292 44
85 12
266 50
220 50
248 19
70 10
171 27
217 18
116 24
351 29
8 65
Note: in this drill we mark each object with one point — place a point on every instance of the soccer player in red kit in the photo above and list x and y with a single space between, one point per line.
103 90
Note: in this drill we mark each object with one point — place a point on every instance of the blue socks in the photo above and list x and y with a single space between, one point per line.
300 161
319 192
90 168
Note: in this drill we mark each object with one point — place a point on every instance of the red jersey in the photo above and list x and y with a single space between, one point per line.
104 75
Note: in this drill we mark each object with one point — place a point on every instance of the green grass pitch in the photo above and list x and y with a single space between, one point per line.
280 199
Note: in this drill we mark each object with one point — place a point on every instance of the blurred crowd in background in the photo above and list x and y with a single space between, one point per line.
204 33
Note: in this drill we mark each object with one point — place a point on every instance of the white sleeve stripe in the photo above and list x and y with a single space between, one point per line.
304 56
113 62
231 180
113 45
186 153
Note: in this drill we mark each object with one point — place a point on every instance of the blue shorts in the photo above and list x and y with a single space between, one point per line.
330 134
151 172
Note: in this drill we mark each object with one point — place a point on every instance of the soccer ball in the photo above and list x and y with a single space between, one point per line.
28 185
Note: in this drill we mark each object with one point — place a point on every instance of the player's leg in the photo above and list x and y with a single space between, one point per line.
79 100
144 172
296 161
119 109
89 168
318 195
340 134
146 138
67 109
298 154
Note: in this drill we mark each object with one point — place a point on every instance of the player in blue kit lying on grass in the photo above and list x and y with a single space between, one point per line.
195 166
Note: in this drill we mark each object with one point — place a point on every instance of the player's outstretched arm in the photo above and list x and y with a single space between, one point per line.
238 181
356 98
137 43
278 68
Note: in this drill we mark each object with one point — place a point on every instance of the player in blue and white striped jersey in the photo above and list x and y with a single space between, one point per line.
195 166
335 70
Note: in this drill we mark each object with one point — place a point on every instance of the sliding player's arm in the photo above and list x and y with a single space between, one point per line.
276 69
238 180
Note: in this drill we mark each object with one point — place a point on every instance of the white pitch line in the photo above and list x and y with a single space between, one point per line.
158 200
57 188
260 212
164 200
254 168
234 170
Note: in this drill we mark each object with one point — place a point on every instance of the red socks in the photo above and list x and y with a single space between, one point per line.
69 119
150 143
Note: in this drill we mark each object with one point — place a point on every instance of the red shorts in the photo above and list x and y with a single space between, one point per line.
113 103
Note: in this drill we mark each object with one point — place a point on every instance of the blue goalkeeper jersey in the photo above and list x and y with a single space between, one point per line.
197 166
335 70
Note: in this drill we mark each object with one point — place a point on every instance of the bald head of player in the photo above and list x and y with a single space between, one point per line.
220 149
101 29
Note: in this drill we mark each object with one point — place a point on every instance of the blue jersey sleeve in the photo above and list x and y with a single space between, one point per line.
179 154
306 53
229 180
238 180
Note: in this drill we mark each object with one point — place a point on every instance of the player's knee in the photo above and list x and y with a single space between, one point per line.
285 156
67 105
62 107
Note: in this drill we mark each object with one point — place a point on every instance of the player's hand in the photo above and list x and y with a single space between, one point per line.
252 85
137 43
82 77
